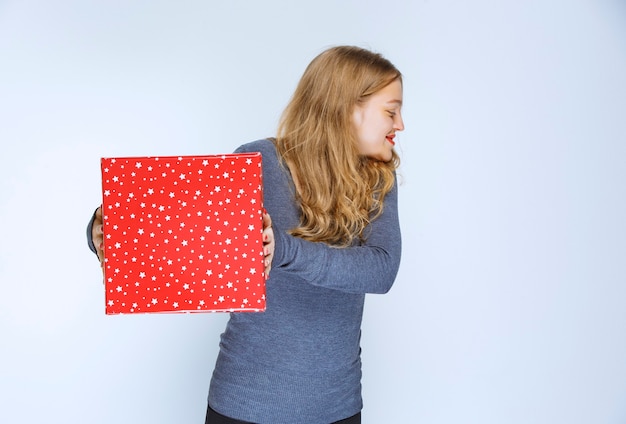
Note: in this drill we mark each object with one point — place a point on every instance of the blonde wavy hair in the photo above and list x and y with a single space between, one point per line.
338 190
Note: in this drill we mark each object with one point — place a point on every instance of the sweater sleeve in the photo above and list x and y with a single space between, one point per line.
368 268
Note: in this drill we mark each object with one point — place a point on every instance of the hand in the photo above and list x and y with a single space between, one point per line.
268 243
97 236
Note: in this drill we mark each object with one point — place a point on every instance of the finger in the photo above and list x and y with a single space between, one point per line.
97 221
268 252
97 230
268 267
98 240
267 220
268 237
103 273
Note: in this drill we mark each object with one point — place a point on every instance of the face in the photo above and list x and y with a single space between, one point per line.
377 120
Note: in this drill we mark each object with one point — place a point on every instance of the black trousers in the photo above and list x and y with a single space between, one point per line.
213 417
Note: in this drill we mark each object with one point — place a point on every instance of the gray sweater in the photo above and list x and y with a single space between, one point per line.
299 361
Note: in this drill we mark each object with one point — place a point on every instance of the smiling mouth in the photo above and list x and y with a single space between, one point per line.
390 139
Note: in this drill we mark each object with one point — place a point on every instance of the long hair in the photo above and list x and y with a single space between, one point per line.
339 191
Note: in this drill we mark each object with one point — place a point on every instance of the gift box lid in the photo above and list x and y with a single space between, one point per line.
183 233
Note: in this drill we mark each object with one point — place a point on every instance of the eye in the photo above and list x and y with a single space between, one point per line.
391 113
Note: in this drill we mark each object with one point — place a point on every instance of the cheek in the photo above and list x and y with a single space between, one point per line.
358 117
370 131
360 126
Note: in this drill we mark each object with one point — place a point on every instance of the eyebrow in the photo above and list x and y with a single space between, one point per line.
398 102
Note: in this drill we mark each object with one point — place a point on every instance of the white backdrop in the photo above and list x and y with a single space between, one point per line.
510 306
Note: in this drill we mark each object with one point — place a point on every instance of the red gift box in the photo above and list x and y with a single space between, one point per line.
183 234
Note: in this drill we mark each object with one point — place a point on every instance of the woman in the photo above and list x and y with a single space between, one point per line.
330 189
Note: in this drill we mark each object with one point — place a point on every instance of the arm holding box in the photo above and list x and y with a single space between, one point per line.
367 268
370 267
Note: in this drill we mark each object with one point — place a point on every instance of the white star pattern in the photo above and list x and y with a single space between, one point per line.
167 240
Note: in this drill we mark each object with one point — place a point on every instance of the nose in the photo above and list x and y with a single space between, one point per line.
398 123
